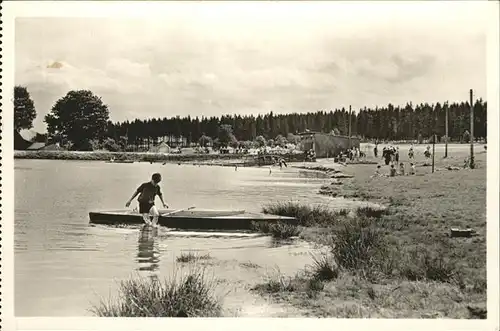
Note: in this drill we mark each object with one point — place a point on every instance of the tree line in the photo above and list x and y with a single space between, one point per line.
82 119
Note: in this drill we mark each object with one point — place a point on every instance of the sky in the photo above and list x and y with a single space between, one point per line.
210 59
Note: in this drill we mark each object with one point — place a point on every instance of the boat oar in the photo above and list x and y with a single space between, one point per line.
177 211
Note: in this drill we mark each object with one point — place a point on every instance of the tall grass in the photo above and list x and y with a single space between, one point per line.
371 212
324 268
423 264
300 282
278 230
358 246
191 257
305 214
191 295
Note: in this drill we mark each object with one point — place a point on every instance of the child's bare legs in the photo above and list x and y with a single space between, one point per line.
154 212
146 219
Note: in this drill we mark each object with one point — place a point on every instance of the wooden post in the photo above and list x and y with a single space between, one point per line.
349 126
446 133
471 164
313 142
433 150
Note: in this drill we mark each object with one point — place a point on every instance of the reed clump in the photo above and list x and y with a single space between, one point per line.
190 295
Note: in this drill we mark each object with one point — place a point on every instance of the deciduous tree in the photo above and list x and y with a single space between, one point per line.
80 116
24 109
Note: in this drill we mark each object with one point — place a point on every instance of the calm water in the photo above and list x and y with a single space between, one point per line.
62 264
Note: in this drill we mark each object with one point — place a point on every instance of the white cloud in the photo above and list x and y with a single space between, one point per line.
257 59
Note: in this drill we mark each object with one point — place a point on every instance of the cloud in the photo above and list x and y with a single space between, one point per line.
208 64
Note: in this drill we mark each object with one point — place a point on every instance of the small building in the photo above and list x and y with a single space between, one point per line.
162 147
20 144
36 147
53 147
326 144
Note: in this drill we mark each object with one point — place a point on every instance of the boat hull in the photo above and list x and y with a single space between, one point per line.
191 219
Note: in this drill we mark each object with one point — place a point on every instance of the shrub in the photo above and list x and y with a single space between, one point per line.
324 268
278 230
298 283
358 246
191 295
369 211
305 215
190 257
422 264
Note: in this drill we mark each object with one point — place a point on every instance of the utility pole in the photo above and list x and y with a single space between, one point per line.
472 165
349 126
446 133
433 150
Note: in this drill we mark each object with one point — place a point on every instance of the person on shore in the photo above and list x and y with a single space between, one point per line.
412 169
411 153
397 154
402 169
375 151
147 193
282 163
427 152
387 156
377 172
392 172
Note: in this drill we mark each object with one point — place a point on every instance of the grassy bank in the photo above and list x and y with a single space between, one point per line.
189 295
398 262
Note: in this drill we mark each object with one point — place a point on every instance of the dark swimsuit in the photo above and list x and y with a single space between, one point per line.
146 199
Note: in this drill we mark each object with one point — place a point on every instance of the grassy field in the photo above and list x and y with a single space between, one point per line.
400 262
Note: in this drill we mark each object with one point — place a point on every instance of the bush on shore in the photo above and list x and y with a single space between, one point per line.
191 257
277 230
358 246
191 295
305 215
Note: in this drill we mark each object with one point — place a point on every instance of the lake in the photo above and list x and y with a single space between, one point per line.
63 265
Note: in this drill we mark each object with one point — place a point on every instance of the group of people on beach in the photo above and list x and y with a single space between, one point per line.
390 154
394 172
352 154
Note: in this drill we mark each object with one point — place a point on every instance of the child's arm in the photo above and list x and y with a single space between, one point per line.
160 195
134 195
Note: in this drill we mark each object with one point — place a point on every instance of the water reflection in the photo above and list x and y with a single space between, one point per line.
148 255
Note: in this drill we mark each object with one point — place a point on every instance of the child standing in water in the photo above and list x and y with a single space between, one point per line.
147 193
402 169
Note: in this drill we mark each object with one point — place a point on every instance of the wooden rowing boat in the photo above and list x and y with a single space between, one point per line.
191 218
